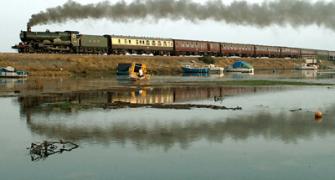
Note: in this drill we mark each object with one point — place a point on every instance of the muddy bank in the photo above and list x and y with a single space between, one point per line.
67 65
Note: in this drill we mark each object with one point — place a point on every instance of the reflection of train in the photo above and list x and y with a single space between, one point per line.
168 95
73 42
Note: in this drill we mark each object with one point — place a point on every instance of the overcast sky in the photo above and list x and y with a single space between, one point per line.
16 13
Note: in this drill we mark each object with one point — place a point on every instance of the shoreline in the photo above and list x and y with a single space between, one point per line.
75 65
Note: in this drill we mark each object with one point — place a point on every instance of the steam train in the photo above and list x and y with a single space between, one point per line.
76 43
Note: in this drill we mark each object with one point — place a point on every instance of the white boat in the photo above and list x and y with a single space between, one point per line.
241 70
215 70
10 72
307 67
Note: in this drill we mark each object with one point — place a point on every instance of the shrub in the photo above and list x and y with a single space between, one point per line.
207 59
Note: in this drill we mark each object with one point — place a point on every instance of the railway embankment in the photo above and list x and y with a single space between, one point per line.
69 65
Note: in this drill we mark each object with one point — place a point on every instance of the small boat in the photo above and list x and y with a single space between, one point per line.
123 69
189 69
241 70
240 66
215 70
10 72
306 66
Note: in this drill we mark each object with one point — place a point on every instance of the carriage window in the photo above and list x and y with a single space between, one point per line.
136 41
129 41
125 41
148 42
154 43
159 43
119 41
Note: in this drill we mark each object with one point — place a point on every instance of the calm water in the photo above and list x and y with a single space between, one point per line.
274 136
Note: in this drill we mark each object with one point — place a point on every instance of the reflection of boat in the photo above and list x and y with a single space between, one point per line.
307 67
240 66
10 72
135 71
189 69
309 73
196 74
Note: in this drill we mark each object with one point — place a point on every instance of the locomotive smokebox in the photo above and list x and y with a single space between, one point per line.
28 28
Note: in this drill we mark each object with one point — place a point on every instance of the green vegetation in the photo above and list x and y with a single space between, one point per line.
207 60
56 65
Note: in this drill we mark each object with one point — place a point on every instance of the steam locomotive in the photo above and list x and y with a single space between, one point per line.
76 43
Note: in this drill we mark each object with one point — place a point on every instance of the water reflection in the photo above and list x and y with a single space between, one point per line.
310 74
8 83
286 126
138 95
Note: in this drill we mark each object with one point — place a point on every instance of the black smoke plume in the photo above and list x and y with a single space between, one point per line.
279 12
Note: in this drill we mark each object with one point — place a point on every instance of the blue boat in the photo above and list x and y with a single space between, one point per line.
189 69
240 66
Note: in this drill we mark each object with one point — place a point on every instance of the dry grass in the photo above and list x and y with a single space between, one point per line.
65 65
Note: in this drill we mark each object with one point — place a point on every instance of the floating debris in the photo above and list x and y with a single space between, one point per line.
318 115
45 149
295 110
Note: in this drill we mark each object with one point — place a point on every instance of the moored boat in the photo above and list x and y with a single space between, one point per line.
240 66
10 72
189 69
215 69
307 66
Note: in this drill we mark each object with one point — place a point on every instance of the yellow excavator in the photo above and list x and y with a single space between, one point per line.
135 71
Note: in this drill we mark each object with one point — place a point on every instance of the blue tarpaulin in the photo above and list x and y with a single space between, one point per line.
241 64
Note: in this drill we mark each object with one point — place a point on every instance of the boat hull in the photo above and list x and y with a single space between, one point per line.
12 75
242 70
195 70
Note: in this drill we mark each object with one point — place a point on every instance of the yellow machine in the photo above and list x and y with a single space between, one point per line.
138 71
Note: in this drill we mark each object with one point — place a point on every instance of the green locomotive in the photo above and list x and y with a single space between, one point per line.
61 42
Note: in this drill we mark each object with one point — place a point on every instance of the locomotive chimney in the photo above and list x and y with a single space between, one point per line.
28 27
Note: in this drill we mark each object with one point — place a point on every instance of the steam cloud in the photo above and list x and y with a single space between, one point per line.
280 12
